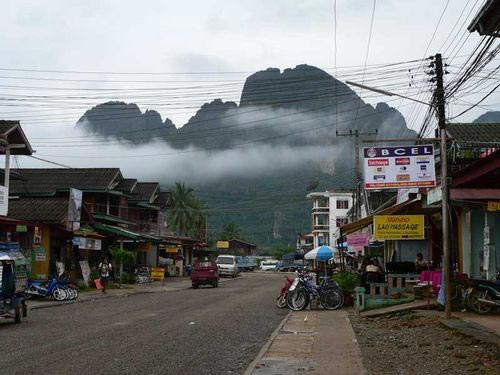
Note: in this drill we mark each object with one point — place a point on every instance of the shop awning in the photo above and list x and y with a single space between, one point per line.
111 219
364 222
126 233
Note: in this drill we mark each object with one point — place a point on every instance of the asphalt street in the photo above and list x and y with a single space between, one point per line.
203 331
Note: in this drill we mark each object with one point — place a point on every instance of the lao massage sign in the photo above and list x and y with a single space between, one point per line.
398 227
399 167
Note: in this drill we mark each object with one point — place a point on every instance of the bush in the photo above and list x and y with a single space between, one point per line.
128 278
347 281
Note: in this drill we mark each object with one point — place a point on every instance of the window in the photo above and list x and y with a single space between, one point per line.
341 221
342 204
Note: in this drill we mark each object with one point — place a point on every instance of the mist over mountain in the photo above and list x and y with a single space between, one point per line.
293 113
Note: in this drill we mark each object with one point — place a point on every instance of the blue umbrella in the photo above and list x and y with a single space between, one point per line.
324 253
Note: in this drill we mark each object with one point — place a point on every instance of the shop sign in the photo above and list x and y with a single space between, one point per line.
87 243
21 228
172 249
398 227
493 206
4 200
223 244
39 254
74 209
404 194
157 273
399 167
358 240
434 195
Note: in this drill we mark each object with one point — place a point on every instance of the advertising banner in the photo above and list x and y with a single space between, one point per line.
74 209
4 200
39 254
84 266
399 167
358 240
398 227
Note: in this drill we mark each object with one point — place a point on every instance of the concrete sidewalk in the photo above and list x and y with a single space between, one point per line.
311 342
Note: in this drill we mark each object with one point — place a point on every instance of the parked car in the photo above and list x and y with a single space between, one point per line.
205 273
268 265
246 264
227 265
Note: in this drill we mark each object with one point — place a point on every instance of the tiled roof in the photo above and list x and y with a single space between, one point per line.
47 210
164 199
127 185
472 132
45 181
144 191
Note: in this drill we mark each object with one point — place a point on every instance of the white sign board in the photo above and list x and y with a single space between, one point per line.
4 200
399 167
74 209
84 265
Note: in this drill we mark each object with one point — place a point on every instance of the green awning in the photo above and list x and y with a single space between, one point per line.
111 218
126 233
122 232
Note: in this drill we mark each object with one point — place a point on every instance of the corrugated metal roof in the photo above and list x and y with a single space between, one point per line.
46 181
472 132
47 210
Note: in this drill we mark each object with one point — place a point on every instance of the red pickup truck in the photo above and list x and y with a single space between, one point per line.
205 273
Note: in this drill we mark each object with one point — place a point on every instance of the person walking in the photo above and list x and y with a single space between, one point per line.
104 270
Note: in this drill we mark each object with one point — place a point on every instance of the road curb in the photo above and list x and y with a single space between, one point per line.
266 346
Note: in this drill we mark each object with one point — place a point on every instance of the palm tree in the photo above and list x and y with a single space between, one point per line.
231 231
185 212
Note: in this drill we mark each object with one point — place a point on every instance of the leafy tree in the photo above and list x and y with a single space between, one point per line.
120 257
231 231
279 250
185 215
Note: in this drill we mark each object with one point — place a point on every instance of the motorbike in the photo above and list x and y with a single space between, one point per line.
51 288
303 290
70 288
281 300
483 296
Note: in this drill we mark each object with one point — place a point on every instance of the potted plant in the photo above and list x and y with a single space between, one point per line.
347 281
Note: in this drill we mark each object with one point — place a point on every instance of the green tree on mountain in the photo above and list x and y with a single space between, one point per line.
231 231
186 212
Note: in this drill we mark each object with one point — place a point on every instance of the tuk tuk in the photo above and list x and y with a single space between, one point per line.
12 286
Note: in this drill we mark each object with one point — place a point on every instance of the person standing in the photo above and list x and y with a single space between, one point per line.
104 270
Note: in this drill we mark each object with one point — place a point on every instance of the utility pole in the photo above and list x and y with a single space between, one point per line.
440 106
357 169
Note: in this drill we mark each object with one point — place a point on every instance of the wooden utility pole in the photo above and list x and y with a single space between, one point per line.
440 106
357 169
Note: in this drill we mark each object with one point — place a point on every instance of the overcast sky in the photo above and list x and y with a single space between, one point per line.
201 36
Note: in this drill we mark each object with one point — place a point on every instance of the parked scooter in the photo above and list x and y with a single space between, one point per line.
281 300
484 295
50 288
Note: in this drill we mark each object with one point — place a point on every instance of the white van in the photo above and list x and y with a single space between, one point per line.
268 265
227 265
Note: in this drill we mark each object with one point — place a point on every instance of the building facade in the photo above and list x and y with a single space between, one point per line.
329 211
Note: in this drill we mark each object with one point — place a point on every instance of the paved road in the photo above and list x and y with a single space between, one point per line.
204 331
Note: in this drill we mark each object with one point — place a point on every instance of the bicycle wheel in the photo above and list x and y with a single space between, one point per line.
297 300
332 299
